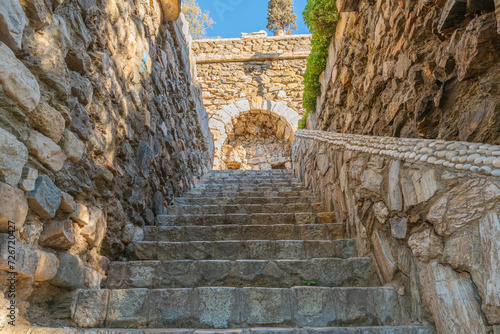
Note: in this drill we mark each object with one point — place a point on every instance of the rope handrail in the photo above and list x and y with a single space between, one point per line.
463 156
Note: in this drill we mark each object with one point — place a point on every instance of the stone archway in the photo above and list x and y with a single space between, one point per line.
240 116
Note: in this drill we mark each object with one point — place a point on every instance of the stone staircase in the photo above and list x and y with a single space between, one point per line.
245 252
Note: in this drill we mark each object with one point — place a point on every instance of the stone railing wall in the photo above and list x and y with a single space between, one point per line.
255 65
426 211
101 125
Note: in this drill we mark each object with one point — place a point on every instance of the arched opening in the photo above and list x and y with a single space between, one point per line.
254 135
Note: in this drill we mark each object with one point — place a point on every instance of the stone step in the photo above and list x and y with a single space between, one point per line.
257 193
244 232
257 180
242 173
246 219
240 200
354 272
244 208
271 182
246 188
229 307
242 250
415 329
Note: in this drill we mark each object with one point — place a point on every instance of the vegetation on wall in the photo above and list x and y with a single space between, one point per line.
321 17
303 121
199 21
281 16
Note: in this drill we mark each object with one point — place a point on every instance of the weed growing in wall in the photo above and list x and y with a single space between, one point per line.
321 17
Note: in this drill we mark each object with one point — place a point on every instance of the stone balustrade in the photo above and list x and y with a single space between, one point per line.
473 157
426 211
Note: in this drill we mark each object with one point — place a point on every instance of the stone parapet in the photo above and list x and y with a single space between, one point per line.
426 211
461 156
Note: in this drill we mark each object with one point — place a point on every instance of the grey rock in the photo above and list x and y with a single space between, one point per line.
12 23
39 12
26 257
399 227
217 307
81 88
48 121
45 199
45 150
13 157
71 272
489 228
16 80
28 179
384 256
452 299
13 207
73 147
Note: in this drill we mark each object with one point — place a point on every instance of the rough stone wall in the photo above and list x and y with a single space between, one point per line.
427 211
414 69
101 125
258 143
234 69
272 124
237 72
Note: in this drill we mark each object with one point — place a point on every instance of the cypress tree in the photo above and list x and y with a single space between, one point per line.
281 16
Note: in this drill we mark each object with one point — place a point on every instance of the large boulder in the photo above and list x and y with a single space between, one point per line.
12 23
13 157
17 82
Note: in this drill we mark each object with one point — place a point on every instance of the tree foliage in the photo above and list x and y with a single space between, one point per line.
321 17
281 16
199 21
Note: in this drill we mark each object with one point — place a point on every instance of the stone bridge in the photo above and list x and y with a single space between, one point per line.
252 90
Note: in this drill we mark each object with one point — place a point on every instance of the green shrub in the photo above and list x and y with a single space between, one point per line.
321 17
303 121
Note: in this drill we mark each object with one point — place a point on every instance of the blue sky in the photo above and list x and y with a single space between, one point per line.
232 17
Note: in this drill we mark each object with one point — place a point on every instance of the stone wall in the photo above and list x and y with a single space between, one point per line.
101 125
414 69
253 134
260 141
427 211
240 72
233 69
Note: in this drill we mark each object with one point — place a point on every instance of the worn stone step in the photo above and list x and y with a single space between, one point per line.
242 173
259 273
246 219
258 180
245 187
416 329
240 200
244 232
242 250
229 307
258 193
244 208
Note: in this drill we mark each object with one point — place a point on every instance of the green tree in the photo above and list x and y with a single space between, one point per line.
199 21
281 16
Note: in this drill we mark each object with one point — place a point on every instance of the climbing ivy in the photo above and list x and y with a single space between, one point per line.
321 17
303 121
